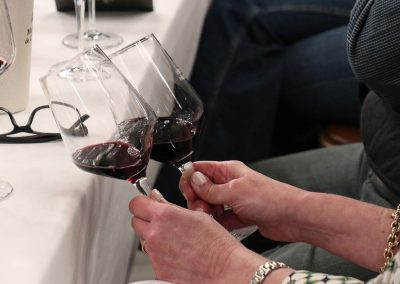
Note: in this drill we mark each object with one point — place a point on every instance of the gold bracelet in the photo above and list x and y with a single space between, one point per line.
264 270
392 241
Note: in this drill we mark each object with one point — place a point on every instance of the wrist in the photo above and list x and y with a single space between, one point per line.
245 263
282 221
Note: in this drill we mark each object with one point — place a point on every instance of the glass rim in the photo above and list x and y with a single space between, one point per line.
135 43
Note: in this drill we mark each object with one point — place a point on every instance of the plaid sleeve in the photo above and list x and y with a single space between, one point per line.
390 276
307 277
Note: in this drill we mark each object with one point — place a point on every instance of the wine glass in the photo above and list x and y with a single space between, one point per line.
7 54
91 36
179 110
75 40
106 126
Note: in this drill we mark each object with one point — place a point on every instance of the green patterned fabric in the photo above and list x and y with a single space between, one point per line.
390 276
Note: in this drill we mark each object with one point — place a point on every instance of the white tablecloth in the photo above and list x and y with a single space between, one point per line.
62 225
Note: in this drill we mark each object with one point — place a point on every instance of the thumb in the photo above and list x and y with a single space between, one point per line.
208 191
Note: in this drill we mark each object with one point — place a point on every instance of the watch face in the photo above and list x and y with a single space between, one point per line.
110 5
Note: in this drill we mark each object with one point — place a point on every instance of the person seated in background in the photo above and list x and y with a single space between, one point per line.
331 210
270 73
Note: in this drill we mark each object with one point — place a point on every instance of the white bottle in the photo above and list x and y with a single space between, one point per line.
14 83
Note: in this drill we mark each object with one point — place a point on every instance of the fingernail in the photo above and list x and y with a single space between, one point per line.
198 179
187 169
199 209
157 195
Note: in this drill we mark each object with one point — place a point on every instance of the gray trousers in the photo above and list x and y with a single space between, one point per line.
340 170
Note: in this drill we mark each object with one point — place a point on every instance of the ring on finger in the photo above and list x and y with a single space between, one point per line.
143 246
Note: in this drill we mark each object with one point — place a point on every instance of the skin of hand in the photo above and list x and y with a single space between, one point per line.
246 192
347 227
187 246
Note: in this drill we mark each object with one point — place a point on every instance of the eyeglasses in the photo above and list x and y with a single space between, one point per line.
10 131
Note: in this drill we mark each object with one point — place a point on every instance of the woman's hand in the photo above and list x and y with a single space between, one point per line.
186 246
254 198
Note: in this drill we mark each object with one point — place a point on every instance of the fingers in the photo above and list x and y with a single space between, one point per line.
186 188
208 191
143 207
157 196
221 172
217 172
141 227
200 205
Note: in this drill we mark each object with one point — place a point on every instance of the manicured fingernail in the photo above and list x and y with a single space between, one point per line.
198 178
155 194
187 169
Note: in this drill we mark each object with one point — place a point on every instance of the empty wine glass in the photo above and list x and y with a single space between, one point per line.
179 110
7 54
91 36
106 126
75 40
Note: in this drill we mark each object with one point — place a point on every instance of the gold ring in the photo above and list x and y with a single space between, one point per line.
143 246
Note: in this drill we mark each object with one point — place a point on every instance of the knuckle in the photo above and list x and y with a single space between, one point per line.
151 237
164 213
236 163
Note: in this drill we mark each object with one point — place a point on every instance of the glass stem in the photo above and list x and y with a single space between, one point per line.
80 17
92 16
143 186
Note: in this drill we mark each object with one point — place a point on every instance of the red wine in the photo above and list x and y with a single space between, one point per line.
112 159
3 65
173 141
124 158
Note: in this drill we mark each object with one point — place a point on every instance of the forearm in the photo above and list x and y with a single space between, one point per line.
349 228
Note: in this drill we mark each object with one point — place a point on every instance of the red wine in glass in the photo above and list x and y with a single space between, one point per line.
3 65
173 141
118 124
125 158
112 159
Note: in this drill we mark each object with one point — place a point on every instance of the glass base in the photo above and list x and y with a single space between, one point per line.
5 189
78 74
91 38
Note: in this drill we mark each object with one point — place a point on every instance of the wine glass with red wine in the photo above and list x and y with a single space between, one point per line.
105 124
179 110
7 54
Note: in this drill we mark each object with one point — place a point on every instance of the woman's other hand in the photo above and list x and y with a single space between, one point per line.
254 198
187 246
